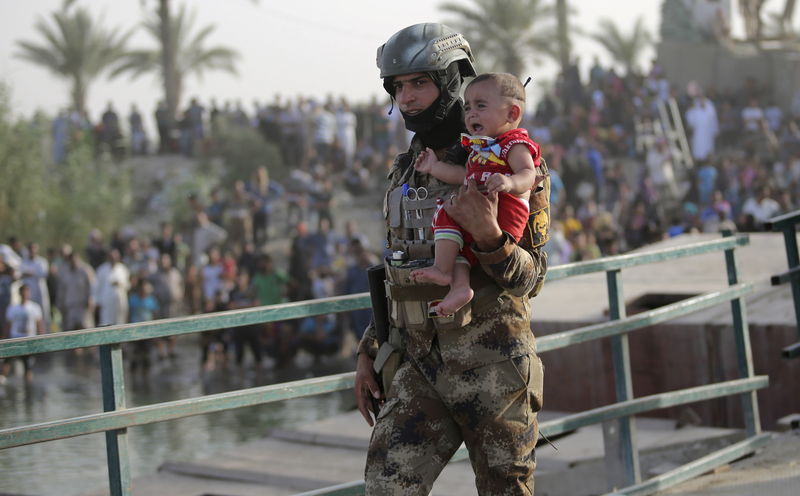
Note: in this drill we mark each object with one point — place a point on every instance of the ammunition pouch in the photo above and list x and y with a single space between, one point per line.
410 303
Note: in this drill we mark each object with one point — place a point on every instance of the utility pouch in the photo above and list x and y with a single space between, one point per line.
408 300
409 213
538 230
410 303
386 363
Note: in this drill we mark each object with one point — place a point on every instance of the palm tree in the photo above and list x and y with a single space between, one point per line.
624 49
509 32
779 24
189 53
75 47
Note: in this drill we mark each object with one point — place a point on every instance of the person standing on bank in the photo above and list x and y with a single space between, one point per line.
479 382
24 319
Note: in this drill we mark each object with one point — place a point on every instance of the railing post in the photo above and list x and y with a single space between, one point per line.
619 436
112 370
744 355
793 258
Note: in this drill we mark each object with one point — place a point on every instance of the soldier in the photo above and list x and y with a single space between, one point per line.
475 378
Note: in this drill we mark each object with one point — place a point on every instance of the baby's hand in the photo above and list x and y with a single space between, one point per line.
425 161
498 183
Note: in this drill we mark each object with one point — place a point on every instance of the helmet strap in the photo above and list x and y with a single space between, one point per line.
437 133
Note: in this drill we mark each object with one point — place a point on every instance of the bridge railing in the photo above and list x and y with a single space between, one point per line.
787 224
117 417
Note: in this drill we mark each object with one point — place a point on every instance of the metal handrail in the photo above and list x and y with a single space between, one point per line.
116 418
787 224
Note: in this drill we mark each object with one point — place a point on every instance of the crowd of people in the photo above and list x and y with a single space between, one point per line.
609 194
129 279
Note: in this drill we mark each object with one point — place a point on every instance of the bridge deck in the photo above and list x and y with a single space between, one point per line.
333 450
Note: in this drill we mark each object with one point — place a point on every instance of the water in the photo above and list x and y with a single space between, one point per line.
66 385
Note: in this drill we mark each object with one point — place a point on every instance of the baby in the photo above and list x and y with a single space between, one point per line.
503 159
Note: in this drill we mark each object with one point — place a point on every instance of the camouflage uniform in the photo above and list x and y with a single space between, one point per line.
480 384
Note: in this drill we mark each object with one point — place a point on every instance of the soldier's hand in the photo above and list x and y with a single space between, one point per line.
366 387
476 213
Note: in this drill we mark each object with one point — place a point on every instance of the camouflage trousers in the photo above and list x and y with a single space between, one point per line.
430 410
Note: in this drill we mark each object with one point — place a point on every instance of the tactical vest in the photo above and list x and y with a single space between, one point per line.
409 235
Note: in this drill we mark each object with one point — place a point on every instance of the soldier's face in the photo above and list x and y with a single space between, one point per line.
414 92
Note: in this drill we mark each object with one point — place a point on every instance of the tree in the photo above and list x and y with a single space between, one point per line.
510 33
188 52
56 203
624 49
751 14
779 24
76 47
564 45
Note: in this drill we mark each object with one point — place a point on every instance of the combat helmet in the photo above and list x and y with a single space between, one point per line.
427 47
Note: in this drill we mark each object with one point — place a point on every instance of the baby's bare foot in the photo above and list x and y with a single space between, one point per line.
453 301
431 275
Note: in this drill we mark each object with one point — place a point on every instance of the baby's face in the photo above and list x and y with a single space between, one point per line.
487 113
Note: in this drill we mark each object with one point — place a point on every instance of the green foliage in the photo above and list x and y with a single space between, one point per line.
23 189
243 150
190 46
506 34
75 47
55 203
94 193
625 49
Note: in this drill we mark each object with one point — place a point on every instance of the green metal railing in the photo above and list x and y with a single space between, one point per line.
787 224
117 418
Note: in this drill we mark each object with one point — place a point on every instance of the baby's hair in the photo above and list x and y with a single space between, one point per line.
508 85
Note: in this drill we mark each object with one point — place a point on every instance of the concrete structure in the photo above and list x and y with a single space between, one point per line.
333 451
690 351
727 66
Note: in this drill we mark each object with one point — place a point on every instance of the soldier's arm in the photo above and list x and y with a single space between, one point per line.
369 341
513 268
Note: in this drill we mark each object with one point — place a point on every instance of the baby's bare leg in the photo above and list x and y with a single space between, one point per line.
460 293
441 272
